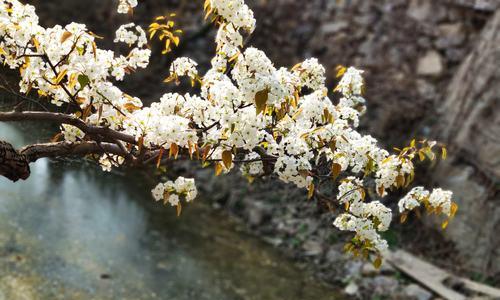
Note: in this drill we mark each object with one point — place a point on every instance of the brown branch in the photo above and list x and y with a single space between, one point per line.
14 165
67 119
64 149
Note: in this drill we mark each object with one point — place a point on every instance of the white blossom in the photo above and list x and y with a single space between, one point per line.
125 5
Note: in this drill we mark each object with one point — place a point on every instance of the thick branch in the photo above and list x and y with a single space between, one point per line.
67 119
15 164
63 149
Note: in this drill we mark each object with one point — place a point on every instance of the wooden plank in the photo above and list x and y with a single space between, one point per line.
427 274
433 277
480 288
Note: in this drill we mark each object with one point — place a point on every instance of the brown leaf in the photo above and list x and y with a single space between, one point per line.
336 169
174 150
160 155
66 35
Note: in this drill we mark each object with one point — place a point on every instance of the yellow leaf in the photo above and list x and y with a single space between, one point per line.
310 191
453 209
297 114
227 158
340 71
403 217
421 156
381 190
60 77
166 195
179 209
94 49
218 169
205 152
444 153
37 44
377 263
261 100
400 180
131 107
190 149
444 224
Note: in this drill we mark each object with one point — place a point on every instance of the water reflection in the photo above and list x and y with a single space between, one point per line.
73 232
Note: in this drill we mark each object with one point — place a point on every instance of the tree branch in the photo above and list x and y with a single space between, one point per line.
62 149
14 165
67 119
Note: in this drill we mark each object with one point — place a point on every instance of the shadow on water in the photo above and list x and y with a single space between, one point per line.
73 232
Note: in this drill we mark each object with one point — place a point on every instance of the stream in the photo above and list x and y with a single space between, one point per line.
72 231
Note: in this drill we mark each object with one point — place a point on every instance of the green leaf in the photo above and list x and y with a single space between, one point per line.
83 80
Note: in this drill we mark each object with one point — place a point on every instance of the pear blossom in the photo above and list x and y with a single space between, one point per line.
125 5
271 121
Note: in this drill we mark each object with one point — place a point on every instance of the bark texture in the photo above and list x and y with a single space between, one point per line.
13 165
471 114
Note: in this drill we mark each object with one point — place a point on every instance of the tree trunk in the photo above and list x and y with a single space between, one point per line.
471 127
13 165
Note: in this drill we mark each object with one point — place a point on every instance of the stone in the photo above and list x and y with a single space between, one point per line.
419 10
415 292
256 212
450 35
385 285
431 64
369 270
351 289
353 268
333 255
312 248
333 27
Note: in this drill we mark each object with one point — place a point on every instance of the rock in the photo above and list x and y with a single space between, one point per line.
431 64
353 268
333 27
351 289
256 212
415 292
369 270
333 255
312 248
419 10
426 89
450 35
384 285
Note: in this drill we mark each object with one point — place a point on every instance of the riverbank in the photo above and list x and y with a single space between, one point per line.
279 214
72 231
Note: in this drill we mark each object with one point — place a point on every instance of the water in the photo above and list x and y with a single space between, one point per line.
73 232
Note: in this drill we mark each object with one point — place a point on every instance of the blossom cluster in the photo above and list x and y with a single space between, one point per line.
124 6
282 121
172 191
438 200
184 66
131 34
366 219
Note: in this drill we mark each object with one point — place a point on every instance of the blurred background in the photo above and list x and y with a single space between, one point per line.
432 70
